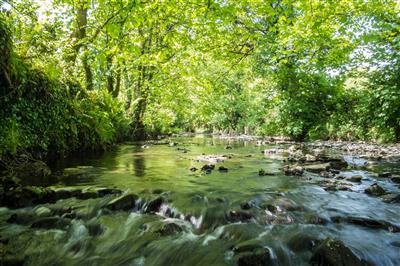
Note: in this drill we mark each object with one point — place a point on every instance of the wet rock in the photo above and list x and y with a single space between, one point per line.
222 169
207 168
51 223
367 222
257 257
262 172
246 205
285 204
35 169
355 178
154 205
391 198
122 203
94 228
300 241
239 216
317 168
294 171
375 190
337 164
332 252
21 218
327 174
24 196
169 229
310 158
157 191
43 212
107 191
385 174
336 187
395 179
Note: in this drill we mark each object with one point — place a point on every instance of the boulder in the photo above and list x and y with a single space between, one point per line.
257 257
122 203
317 168
239 216
51 223
332 252
43 212
385 174
35 169
223 169
375 190
367 222
294 171
395 179
354 178
154 205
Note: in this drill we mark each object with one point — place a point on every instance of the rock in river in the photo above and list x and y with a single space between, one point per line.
122 203
332 252
375 190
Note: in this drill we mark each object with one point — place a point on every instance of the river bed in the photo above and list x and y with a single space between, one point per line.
210 217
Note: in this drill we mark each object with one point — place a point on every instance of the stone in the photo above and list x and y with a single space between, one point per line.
222 169
354 178
36 169
239 216
385 174
316 168
295 171
258 257
332 252
193 169
368 222
395 179
42 211
154 205
51 223
391 198
375 190
122 203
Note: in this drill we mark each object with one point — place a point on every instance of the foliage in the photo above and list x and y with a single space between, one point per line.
86 73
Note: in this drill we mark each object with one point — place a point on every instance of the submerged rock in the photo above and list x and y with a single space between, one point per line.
375 190
169 229
122 203
239 216
367 222
355 178
257 257
391 198
154 205
51 223
296 170
222 169
385 174
43 211
395 179
208 168
262 172
332 252
34 169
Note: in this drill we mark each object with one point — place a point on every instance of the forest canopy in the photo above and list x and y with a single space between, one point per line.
83 73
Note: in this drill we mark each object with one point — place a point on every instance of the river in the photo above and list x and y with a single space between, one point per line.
211 216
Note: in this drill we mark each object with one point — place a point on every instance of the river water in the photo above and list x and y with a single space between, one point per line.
202 205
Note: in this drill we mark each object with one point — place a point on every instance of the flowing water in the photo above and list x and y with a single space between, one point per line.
205 209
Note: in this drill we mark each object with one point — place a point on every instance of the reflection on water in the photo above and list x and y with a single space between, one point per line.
205 210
